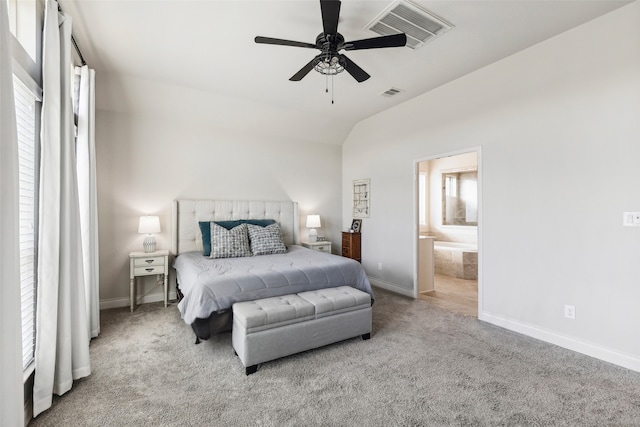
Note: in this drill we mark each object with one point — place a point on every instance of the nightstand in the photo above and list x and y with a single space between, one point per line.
148 264
351 245
324 246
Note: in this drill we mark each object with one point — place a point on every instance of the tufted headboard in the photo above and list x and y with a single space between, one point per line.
187 214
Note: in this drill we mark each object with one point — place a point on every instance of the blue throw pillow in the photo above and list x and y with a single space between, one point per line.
205 229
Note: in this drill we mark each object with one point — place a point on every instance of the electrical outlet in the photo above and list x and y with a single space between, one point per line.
379 266
570 311
631 219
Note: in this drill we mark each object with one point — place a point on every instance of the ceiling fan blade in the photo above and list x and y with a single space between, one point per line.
356 72
303 71
281 42
330 14
394 40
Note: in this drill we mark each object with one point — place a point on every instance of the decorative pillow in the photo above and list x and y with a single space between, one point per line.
236 222
266 240
229 243
205 229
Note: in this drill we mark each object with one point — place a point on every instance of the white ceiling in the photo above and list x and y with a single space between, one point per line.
207 47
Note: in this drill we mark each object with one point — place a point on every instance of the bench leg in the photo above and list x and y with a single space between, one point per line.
366 336
251 369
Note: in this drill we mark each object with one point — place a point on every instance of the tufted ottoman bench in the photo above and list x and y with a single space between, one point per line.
271 328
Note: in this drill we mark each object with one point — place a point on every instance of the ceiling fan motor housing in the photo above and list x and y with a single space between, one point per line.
329 42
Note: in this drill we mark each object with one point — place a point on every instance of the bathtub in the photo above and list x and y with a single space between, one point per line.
455 246
456 259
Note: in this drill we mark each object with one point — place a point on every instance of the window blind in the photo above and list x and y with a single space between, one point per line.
25 102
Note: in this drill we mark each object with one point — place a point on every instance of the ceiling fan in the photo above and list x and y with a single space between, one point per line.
330 42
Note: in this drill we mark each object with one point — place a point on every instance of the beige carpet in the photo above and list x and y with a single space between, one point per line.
422 366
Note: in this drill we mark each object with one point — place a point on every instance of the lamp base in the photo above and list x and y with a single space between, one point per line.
149 243
313 235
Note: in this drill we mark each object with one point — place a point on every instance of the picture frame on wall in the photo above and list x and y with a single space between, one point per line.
361 197
356 225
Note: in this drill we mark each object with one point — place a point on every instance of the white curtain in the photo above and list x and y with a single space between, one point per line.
62 329
87 191
11 402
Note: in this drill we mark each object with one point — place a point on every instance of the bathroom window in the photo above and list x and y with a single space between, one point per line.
460 198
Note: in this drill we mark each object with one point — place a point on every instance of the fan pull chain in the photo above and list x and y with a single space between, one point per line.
332 89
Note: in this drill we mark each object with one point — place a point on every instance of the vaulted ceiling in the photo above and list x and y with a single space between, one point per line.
200 57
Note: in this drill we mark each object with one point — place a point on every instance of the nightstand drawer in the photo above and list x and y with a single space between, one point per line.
146 271
322 246
147 262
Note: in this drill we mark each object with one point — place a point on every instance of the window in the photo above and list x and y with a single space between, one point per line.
22 24
25 102
26 26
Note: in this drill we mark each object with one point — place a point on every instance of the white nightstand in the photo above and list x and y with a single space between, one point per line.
318 246
147 264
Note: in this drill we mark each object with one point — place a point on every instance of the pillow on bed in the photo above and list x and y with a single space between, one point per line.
266 240
205 229
236 222
229 243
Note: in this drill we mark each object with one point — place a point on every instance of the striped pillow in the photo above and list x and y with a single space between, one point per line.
266 240
229 243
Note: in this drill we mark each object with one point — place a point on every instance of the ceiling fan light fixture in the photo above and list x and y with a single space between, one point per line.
329 65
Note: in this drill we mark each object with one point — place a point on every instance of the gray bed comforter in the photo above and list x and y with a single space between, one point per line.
212 285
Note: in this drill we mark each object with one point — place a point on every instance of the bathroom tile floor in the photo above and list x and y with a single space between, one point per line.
457 295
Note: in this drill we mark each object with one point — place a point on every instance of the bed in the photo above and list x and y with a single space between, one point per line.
208 287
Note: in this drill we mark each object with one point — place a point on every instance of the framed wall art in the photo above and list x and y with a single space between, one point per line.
361 198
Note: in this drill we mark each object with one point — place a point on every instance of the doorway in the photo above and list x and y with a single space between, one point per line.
448 231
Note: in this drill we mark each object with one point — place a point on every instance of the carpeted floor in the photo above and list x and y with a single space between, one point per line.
422 366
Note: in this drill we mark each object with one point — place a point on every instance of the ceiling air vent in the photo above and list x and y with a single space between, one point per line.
419 25
391 92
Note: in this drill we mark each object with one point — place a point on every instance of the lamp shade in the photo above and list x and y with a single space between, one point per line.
149 224
313 221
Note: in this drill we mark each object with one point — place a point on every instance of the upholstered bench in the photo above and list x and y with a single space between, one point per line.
271 328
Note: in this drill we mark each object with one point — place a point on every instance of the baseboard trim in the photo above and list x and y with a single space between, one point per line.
124 302
590 349
391 287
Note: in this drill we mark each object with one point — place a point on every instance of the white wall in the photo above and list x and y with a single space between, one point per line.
147 161
559 130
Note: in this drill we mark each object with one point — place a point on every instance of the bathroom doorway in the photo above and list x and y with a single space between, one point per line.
448 224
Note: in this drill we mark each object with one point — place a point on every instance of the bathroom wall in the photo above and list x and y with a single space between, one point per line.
434 227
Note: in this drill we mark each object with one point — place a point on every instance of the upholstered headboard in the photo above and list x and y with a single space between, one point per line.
187 214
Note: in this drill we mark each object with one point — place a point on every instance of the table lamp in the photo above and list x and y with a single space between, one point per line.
149 224
313 222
